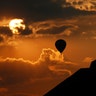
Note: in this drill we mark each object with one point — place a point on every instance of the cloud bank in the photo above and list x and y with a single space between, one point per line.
36 10
49 67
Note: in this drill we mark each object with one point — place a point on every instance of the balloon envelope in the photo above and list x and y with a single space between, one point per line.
60 45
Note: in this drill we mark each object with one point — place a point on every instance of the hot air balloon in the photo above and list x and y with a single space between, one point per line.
60 45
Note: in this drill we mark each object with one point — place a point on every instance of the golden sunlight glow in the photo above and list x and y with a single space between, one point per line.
16 24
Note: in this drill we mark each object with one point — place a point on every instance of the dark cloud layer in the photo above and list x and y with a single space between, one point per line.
29 7
5 31
27 31
37 9
53 30
1 39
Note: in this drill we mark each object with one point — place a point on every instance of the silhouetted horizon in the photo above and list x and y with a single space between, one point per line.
81 82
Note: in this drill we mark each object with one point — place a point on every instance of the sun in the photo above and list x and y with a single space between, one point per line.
16 25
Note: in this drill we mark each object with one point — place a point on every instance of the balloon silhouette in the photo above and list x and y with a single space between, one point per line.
60 45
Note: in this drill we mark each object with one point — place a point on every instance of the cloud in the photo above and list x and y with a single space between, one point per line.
29 8
76 27
3 90
51 55
14 70
52 18
86 28
27 31
54 27
83 5
7 36
54 30
94 37
4 40
5 31
88 59
1 39
41 75
36 10
67 32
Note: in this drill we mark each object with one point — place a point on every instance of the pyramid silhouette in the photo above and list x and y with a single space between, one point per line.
81 83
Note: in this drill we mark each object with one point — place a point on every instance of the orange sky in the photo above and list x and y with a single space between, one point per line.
34 54
29 60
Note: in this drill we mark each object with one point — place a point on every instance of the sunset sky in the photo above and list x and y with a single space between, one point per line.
30 64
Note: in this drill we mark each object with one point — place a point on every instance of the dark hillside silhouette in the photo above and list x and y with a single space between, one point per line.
80 83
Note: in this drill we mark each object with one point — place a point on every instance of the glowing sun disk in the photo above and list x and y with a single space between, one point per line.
16 24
